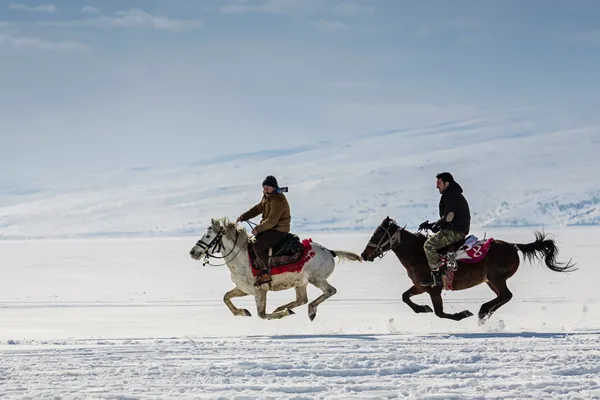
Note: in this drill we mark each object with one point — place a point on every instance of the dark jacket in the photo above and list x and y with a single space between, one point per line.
452 200
275 212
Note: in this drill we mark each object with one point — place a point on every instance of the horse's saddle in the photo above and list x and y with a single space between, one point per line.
469 241
289 250
470 250
289 245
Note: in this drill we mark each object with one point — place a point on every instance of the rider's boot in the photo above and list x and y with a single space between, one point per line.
435 279
265 274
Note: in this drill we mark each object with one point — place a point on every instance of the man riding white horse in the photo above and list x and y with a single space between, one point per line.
273 227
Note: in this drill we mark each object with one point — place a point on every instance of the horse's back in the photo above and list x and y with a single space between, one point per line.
322 263
501 262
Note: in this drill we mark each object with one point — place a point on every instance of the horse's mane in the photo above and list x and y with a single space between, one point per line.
420 235
416 235
230 229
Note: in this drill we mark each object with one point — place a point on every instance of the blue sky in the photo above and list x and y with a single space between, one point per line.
87 86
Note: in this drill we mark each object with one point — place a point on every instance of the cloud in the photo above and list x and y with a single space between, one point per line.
269 7
349 9
297 7
329 26
318 11
450 25
90 10
18 41
46 8
134 18
352 85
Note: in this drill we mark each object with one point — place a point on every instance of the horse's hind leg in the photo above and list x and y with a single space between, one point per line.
261 304
503 296
328 291
301 299
227 300
438 307
418 308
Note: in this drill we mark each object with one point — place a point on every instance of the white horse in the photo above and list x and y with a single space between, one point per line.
225 237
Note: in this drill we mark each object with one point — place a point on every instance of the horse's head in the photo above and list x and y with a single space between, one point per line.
211 241
387 235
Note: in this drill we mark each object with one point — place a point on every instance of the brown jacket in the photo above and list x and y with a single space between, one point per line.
275 213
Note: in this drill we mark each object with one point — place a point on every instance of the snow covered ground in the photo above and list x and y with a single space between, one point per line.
138 318
522 167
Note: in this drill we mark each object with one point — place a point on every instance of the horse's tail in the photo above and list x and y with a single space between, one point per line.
546 248
345 255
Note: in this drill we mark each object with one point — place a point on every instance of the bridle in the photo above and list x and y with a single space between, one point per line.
216 246
388 238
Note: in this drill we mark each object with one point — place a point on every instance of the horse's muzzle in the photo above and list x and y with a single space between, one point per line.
195 254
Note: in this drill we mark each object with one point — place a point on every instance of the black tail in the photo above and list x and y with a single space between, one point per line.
546 248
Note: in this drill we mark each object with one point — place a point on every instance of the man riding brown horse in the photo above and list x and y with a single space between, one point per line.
453 225
273 227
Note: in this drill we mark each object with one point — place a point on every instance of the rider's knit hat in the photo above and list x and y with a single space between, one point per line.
271 181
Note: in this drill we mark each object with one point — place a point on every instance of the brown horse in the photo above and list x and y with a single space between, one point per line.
500 263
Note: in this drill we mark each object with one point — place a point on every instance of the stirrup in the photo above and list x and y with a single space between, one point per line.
263 278
435 279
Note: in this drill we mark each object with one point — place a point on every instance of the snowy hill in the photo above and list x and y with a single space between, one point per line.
518 168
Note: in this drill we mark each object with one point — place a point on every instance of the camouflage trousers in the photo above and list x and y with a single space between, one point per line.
441 239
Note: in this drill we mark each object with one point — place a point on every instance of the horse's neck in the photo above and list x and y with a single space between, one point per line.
401 253
410 252
236 257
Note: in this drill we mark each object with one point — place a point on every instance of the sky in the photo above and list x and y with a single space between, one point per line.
88 86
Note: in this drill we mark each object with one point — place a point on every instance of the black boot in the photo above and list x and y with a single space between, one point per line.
435 279
265 273
263 277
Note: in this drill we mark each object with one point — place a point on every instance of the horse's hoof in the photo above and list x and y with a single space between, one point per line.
426 309
483 319
466 314
290 312
246 313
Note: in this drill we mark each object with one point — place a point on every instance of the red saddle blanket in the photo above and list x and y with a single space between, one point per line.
287 262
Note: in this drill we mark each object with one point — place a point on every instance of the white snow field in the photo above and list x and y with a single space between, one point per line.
137 318
523 167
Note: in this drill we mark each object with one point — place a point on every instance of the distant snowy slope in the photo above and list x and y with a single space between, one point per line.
518 168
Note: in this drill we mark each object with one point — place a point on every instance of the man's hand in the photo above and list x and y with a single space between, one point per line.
425 225
254 232
435 228
239 219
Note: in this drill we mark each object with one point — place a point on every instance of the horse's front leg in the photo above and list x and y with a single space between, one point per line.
261 305
438 306
236 311
418 308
